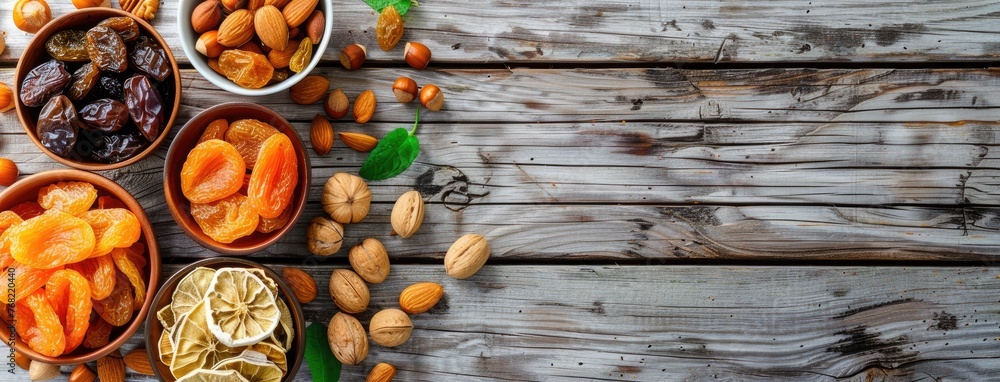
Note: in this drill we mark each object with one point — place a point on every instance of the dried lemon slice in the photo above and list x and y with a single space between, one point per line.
191 290
202 375
253 366
241 309
285 332
195 347
167 319
166 348
271 285
274 353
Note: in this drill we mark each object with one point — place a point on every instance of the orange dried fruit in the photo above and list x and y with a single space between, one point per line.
8 219
131 271
69 294
105 201
274 224
246 184
113 228
27 279
247 69
100 274
247 136
215 130
135 254
98 334
213 170
274 177
69 197
226 220
28 210
39 326
116 309
55 238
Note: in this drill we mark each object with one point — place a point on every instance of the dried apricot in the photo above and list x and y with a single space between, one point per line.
8 219
213 170
113 228
247 135
39 326
135 253
274 177
69 294
116 309
28 210
130 270
69 197
52 239
246 184
226 220
104 202
215 130
274 224
100 274
98 334
27 280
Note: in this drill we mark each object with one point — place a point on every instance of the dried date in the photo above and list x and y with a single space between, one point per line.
109 87
118 147
125 27
144 105
106 115
149 57
58 125
68 45
43 82
106 49
84 80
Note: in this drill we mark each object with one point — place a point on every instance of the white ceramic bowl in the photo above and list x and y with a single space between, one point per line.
200 62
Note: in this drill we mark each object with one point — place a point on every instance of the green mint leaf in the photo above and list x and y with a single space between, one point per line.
393 155
323 365
401 5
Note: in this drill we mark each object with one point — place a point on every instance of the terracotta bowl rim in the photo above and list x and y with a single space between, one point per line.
174 160
298 316
27 184
37 46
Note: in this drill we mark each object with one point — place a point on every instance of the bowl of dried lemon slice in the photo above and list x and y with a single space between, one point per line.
226 319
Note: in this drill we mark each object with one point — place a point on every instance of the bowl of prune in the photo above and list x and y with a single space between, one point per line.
97 89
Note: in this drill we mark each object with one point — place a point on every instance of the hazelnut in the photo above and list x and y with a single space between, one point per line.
417 55
353 56
31 15
431 97
208 44
405 89
206 16
325 236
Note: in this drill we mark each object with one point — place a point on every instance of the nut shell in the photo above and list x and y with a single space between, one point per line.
6 96
405 89
336 104
417 55
38 371
8 172
303 285
347 339
370 260
324 236
431 97
364 106
346 198
466 256
390 327
407 214
208 44
31 15
206 16
82 373
310 90
353 56
420 297
349 291
382 372
321 135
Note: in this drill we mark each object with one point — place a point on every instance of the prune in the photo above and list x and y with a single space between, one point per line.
68 45
125 27
144 105
107 50
119 147
43 82
110 87
84 79
106 115
149 57
58 125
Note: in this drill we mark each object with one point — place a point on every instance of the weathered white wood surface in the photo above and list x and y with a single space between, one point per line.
673 323
653 30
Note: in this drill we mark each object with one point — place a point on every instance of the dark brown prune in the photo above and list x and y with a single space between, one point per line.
149 57
107 50
43 82
68 45
84 79
125 27
119 147
109 87
106 115
144 105
58 125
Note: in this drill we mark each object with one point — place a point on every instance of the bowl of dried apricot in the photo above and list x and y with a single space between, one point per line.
223 319
254 47
82 266
236 178
98 89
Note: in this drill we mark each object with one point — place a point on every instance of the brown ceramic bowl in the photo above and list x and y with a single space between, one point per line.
154 328
27 190
187 139
35 54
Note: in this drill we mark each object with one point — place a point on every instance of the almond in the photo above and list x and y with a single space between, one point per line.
315 25
281 58
206 16
359 142
336 104
82 373
382 372
364 106
302 284
297 11
309 90
420 297
111 368
38 371
254 5
138 361
466 256
271 28
321 136
236 29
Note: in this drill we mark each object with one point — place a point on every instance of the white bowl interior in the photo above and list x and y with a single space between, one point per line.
200 62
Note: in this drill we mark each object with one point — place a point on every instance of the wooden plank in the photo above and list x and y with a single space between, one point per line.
653 31
689 323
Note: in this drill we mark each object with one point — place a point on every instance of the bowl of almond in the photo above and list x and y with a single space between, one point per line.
254 47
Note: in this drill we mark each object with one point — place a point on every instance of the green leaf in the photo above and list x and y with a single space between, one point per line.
401 5
323 365
393 155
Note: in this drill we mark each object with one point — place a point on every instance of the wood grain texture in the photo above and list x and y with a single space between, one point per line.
660 323
517 31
